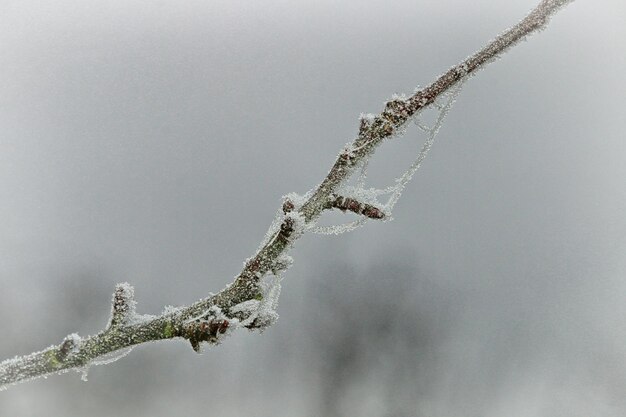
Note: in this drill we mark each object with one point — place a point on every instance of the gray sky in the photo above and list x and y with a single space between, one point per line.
151 142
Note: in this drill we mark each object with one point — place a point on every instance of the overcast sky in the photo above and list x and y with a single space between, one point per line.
151 142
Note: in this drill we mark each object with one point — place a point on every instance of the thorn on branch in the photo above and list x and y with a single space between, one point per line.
123 304
355 206
204 331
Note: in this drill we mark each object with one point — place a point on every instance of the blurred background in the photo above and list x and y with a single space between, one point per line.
151 142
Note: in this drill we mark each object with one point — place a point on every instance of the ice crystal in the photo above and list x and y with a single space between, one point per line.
261 313
394 191
103 360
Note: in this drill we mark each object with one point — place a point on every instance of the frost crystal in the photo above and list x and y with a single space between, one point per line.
125 297
367 117
296 201
260 314
103 360
24 368
169 309
111 357
246 307
396 190
298 222
72 342
123 310
264 313
283 263
371 195
123 305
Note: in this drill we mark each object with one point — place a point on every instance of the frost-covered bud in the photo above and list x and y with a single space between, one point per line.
367 118
288 206
281 264
70 345
286 226
395 105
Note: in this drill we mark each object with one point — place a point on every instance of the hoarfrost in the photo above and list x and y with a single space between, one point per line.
125 293
73 342
213 312
402 181
255 314
297 201
298 222
371 195
18 368
246 307
123 310
273 229
399 96
261 312
282 263
170 310
360 182
103 360
111 357
367 117
123 304
37 364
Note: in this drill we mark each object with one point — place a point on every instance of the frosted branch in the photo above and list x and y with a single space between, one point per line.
249 301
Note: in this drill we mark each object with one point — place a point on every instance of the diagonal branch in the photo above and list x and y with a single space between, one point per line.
244 303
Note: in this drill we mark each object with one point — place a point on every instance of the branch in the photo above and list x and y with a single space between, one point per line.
350 204
248 302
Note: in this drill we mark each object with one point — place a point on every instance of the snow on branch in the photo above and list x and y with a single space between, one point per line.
250 300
